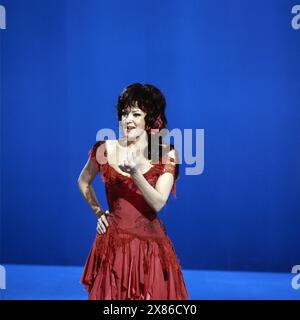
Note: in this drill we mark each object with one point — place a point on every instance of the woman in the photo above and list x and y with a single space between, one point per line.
132 258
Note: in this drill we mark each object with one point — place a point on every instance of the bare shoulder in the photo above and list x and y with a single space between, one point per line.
170 150
111 146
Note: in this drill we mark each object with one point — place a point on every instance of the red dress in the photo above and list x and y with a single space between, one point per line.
134 259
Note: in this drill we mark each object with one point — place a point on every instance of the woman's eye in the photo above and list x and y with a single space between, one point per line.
136 114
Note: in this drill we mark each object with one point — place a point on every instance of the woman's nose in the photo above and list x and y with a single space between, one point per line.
129 118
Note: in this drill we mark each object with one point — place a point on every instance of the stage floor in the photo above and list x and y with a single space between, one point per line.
34 282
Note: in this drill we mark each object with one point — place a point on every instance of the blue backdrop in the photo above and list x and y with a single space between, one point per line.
229 67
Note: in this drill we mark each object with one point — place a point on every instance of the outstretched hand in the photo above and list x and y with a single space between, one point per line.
131 164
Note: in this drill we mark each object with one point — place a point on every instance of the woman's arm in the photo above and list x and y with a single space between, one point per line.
85 179
158 196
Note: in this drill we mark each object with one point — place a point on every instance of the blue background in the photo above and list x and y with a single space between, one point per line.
230 67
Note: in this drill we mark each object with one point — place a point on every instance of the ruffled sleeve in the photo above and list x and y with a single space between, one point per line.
97 154
170 164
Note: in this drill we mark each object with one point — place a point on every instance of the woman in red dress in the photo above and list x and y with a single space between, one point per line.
132 257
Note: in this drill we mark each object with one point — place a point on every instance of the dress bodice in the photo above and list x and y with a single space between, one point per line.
127 205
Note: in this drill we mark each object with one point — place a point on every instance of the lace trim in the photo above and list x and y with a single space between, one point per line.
115 237
110 176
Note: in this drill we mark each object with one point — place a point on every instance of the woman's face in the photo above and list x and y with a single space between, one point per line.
133 122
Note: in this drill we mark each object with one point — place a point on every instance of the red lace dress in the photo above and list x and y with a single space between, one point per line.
134 259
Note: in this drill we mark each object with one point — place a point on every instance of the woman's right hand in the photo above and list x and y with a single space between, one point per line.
102 223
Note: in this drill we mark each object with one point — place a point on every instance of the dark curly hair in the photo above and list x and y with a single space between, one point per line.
152 101
149 98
